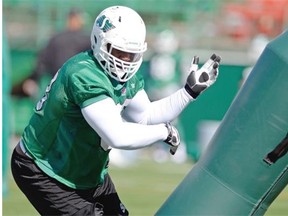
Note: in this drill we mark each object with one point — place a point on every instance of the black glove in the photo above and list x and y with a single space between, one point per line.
199 80
173 138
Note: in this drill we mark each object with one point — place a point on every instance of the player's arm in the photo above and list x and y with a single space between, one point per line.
105 118
143 111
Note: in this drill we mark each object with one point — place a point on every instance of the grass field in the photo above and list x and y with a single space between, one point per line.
143 188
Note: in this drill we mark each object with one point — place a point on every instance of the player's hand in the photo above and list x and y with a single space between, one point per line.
173 138
200 79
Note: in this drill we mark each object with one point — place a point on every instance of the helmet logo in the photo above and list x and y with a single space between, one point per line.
104 23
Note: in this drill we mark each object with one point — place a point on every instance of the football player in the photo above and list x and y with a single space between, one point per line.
94 103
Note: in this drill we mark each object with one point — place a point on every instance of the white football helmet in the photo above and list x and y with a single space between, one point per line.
119 28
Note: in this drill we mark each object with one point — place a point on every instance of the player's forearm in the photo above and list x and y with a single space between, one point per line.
131 136
168 108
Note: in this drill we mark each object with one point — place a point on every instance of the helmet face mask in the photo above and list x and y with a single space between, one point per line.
118 42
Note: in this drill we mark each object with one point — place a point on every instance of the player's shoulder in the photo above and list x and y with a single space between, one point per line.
84 69
83 61
82 57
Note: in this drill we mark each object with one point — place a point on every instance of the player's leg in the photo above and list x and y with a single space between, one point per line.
107 196
48 196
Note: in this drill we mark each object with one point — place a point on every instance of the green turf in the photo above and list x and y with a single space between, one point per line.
142 187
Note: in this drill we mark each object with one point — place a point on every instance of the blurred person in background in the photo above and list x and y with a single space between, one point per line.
95 103
60 47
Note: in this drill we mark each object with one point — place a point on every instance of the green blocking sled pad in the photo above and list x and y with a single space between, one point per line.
245 165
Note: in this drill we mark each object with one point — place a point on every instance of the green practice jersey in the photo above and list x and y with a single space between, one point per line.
58 137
